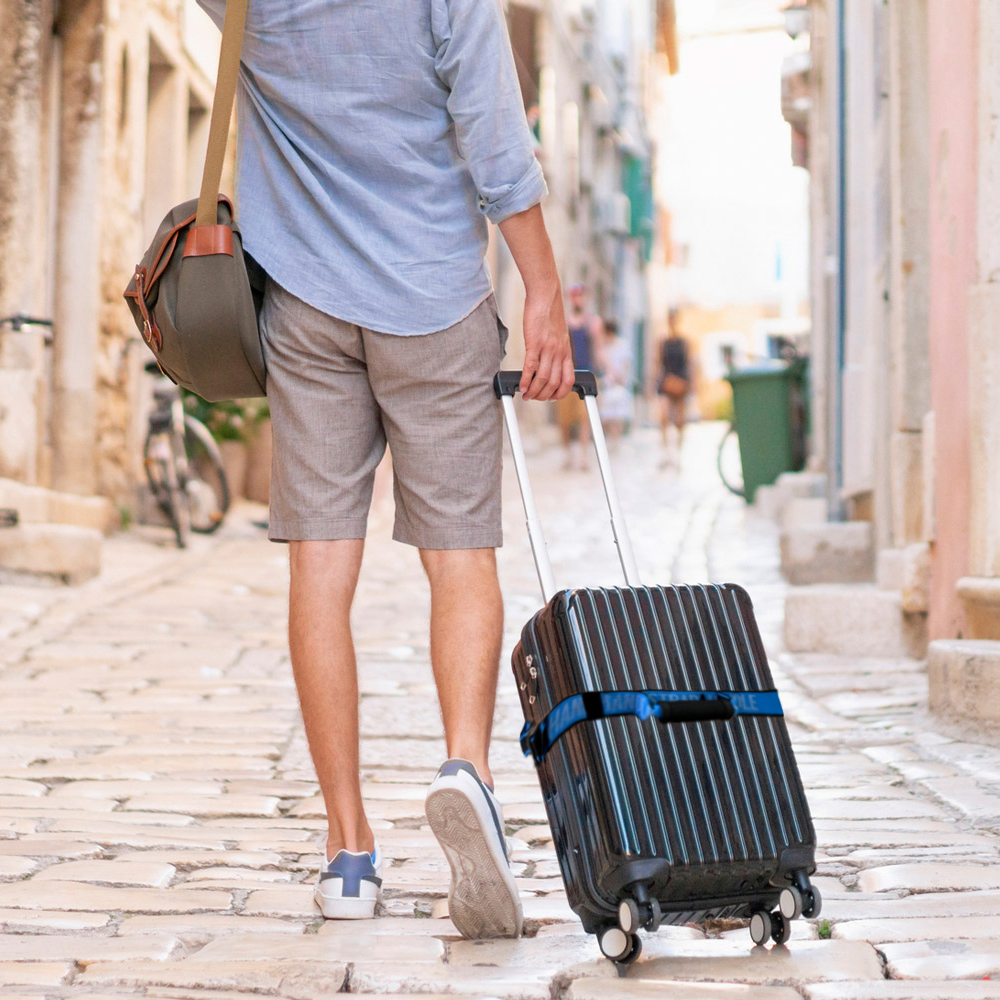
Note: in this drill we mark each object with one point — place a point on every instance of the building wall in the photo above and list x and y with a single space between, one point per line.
953 50
984 328
102 129
909 360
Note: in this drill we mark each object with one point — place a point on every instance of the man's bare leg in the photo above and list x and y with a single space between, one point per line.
466 635
324 578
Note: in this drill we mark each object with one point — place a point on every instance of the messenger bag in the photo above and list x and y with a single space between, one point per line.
195 295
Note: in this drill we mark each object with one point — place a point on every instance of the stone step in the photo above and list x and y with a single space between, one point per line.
907 571
37 505
964 677
835 552
49 553
852 620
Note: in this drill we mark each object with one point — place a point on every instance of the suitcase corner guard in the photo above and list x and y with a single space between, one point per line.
664 706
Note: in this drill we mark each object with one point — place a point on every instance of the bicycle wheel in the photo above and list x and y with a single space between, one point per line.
206 486
165 483
728 462
180 512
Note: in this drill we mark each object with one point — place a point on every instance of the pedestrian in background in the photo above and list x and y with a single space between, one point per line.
615 400
586 332
371 157
673 388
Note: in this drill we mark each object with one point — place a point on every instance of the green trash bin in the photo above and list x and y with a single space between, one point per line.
770 417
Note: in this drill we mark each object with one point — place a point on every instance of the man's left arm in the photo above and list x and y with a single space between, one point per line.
475 62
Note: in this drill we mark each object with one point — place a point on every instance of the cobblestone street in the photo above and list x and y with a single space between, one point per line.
160 821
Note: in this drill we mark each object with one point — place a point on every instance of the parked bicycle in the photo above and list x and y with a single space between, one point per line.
728 462
183 464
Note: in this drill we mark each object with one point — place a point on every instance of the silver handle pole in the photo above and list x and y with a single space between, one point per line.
535 536
618 529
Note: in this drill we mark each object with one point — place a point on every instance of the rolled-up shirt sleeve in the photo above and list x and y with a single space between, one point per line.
475 62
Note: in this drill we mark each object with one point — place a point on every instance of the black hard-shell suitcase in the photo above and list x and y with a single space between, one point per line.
666 768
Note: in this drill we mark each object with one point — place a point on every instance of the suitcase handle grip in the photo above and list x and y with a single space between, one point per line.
694 711
665 706
508 383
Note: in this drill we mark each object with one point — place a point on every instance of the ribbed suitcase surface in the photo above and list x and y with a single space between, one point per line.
710 816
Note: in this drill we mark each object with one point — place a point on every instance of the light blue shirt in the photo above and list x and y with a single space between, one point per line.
376 139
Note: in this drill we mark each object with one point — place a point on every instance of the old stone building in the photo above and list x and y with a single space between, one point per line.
906 353
103 124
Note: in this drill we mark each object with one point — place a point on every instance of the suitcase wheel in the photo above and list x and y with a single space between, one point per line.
791 903
781 929
632 915
760 927
621 948
628 916
812 904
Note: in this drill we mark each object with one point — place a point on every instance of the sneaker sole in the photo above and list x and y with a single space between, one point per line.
483 901
344 909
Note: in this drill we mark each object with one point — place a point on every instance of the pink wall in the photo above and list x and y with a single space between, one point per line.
953 106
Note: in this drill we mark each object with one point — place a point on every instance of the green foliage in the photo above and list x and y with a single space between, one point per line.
230 420
824 929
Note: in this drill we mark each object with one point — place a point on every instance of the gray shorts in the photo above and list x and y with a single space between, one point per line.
338 393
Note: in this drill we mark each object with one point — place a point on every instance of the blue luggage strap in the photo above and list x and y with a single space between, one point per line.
664 706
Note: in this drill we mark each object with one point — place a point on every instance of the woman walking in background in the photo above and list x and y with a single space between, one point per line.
615 400
673 388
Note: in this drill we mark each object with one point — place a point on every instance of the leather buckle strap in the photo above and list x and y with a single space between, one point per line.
209 241
150 331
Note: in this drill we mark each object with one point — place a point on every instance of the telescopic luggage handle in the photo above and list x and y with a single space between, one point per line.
506 385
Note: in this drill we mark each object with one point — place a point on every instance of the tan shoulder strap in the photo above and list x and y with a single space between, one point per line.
222 111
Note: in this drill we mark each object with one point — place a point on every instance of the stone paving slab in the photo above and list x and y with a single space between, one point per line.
397 977
111 873
932 877
733 962
206 925
257 977
85 948
329 948
29 921
947 928
84 896
943 959
35 973
639 989
895 990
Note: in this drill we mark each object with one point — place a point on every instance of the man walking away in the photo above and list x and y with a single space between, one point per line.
376 140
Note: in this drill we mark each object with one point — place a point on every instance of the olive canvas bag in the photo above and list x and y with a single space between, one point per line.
195 295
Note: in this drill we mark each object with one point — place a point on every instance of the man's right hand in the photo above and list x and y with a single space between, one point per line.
548 354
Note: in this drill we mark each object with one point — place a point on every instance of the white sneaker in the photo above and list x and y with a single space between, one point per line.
350 885
465 816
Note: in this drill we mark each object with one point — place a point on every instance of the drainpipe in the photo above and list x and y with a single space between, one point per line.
835 478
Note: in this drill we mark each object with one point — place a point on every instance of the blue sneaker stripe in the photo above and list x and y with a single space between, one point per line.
353 869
